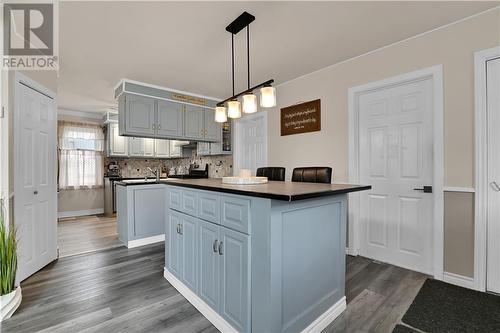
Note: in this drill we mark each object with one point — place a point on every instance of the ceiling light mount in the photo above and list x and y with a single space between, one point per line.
249 98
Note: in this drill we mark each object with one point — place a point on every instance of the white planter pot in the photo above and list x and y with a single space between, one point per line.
9 303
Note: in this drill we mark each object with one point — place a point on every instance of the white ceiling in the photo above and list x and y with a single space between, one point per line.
185 46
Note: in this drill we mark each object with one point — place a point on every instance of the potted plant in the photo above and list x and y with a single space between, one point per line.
10 295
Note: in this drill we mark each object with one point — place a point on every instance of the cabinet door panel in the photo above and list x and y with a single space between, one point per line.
175 149
209 207
174 254
149 147
136 147
234 279
118 145
170 119
139 115
193 122
174 198
149 211
203 148
190 202
162 148
189 253
208 282
235 213
212 128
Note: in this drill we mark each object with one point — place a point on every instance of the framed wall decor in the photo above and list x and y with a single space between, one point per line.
301 118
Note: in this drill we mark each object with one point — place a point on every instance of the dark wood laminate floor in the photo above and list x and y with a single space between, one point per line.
123 290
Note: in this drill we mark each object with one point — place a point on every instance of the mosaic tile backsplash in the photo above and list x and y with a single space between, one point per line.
218 165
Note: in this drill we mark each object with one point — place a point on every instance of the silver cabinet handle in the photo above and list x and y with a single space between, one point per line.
180 228
159 126
178 231
35 192
215 245
220 248
154 126
495 186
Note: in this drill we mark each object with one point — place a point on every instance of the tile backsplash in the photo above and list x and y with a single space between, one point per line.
218 165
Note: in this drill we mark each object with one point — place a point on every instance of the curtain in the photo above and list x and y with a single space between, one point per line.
81 155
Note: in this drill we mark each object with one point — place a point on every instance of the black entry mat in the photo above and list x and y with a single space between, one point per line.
441 308
403 329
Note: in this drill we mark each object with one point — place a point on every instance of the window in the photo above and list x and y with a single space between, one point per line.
81 163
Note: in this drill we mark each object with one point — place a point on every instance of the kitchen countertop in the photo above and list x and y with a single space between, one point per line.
287 191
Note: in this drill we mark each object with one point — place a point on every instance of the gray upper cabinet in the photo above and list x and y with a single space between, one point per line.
212 128
170 119
139 116
234 279
193 120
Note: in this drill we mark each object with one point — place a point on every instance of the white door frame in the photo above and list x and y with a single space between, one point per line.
434 73
237 149
480 244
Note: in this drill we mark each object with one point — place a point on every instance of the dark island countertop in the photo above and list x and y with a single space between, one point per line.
287 191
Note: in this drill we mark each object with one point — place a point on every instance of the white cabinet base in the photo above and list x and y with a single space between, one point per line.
145 241
220 323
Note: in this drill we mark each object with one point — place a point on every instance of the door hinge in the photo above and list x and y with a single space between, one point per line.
2 112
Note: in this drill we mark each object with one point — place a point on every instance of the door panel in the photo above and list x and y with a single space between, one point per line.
251 144
35 210
234 279
208 264
396 157
118 145
170 119
193 122
174 244
493 215
189 252
162 148
139 115
212 128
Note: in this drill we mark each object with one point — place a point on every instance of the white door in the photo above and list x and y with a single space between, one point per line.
493 217
35 207
395 157
251 143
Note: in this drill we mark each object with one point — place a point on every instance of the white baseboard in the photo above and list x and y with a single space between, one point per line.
75 213
327 317
351 251
459 189
220 323
146 241
459 280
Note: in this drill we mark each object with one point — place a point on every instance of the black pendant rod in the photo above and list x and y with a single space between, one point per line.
248 57
263 84
232 59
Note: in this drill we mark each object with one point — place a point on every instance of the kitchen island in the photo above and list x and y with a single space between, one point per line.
258 258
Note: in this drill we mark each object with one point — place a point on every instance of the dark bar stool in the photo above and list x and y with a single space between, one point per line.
272 173
312 175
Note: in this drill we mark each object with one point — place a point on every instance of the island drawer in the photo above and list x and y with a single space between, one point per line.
209 207
235 213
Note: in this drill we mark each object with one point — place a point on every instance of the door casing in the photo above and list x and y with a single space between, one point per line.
434 73
481 165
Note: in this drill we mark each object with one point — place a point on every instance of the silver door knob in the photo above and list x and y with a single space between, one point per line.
35 192
495 186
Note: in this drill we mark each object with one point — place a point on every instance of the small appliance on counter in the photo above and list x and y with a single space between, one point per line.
194 172
113 170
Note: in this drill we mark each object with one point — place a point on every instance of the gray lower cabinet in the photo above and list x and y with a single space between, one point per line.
234 278
212 261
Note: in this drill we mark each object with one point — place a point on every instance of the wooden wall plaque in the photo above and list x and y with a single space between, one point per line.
301 118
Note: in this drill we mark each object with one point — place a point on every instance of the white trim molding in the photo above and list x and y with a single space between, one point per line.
436 74
459 280
146 241
459 189
327 317
220 323
76 213
481 164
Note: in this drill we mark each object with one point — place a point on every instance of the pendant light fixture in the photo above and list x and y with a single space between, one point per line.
267 91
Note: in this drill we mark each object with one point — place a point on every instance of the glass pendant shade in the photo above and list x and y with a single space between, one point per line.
267 97
220 114
249 103
234 109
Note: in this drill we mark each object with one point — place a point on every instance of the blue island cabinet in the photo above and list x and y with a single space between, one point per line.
254 264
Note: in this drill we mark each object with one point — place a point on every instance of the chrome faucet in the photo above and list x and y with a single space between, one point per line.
155 172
